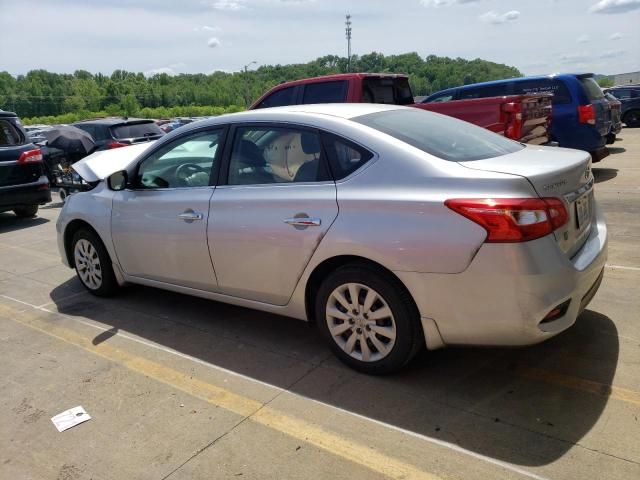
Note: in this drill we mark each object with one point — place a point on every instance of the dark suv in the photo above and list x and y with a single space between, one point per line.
120 132
23 183
629 96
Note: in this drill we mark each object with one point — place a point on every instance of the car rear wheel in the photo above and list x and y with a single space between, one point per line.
369 320
632 118
27 211
93 264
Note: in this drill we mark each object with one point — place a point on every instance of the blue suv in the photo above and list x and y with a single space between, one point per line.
581 114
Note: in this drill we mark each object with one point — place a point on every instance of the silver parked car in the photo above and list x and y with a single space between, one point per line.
390 227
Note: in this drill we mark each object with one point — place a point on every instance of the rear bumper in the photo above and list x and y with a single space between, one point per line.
508 289
35 193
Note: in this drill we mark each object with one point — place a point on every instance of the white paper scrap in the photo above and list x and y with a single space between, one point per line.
70 418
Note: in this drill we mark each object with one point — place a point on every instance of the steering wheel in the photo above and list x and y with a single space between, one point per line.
184 171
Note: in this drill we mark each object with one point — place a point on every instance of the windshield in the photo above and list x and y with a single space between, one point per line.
439 135
136 130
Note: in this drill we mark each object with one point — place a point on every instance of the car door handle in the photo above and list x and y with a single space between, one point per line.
190 216
303 221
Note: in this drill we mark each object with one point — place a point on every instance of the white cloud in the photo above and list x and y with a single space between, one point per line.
615 36
583 39
206 28
226 4
499 18
156 71
615 6
213 42
445 3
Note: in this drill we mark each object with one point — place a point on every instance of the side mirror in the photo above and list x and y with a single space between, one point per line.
118 181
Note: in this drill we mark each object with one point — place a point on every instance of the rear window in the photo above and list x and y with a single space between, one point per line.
325 92
561 94
136 130
286 96
394 91
444 137
9 134
591 88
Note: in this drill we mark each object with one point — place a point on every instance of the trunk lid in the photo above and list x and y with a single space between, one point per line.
101 164
553 172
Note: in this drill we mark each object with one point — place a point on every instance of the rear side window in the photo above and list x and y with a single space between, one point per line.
444 137
443 97
484 91
286 96
9 134
390 90
344 156
325 92
591 88
561 94
136 130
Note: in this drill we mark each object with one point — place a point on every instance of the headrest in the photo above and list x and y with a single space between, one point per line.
310 143
250 154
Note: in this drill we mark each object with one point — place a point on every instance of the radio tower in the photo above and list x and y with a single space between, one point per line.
348 35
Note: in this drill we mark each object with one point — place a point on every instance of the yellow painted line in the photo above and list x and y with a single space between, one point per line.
255 411
576 383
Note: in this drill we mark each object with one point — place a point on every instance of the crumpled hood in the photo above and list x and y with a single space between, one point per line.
100 165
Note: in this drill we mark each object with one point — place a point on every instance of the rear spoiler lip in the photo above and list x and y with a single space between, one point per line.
585 75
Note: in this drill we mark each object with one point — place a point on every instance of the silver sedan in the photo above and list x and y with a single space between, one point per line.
390 227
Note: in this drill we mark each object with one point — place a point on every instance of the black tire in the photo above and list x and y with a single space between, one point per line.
632 118
611 138
409 337
27 211
107 285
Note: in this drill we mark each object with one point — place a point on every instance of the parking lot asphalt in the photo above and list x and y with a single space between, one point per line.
184 388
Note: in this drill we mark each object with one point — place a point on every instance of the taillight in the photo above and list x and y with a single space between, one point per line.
513 219
30 156
586 114
117 144
514 127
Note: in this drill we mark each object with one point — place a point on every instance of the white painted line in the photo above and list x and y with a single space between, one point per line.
622 267
451 446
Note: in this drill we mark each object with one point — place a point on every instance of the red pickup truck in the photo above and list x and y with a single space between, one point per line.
525 118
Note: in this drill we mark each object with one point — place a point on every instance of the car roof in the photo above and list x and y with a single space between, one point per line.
339 76
340 110
7 114
112 121
517 79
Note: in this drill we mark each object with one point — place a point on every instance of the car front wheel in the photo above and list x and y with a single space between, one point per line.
93 264
369 320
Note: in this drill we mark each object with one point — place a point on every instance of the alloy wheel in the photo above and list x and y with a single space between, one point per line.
88 264
361 322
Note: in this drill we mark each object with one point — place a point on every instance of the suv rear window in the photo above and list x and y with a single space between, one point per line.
591 88
394 91
444 137
325 92
136 130
9 134
561 94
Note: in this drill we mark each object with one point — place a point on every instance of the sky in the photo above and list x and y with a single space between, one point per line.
202 36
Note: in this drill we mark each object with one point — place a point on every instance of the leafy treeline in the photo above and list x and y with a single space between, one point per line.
40 94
